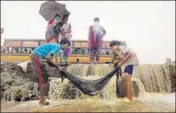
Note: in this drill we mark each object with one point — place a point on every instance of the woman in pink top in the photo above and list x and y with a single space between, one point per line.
53 29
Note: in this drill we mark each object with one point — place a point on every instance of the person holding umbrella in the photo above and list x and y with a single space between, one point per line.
53 29
57 15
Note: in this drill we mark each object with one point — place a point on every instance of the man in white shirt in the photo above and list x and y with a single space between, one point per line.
129 59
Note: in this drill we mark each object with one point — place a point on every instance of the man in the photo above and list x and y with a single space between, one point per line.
45 52
96 33
129 59
115 56
115 60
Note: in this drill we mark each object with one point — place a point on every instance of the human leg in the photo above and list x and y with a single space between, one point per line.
127 83
36 64
97 55
92 55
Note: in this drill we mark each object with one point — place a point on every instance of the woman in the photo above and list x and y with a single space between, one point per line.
53 29
53 33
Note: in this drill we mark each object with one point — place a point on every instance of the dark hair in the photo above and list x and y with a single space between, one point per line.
57 15
114 42
96 19
65 41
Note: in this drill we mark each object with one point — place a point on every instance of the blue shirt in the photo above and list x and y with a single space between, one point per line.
43 50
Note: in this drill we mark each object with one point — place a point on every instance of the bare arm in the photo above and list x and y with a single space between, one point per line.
49 61
113 58
126 58
66 62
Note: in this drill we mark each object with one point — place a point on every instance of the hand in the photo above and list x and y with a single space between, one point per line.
119 65
66 63
64 68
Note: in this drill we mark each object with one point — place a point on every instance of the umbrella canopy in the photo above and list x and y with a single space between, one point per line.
50 9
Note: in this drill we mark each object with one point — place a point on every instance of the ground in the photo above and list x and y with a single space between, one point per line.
152 103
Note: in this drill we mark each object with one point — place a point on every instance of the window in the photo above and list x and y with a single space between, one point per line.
14 50
109 51
9 49
84 51
24 50
29 50
76 50
33 48
42 42
102 51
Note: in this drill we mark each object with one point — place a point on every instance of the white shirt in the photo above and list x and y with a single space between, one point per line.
98 29
133 60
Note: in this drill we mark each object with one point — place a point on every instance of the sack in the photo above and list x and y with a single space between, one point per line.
24 66
89 87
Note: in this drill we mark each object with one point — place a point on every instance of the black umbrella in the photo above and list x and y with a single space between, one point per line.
51 8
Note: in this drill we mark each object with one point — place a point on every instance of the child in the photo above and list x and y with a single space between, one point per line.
129 59
66 34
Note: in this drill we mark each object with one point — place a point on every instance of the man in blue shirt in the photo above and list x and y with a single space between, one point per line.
39 54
